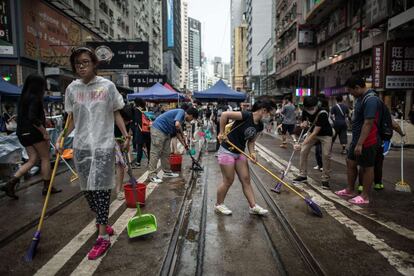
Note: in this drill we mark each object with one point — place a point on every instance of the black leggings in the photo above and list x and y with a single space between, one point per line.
318 154
99 203
145 140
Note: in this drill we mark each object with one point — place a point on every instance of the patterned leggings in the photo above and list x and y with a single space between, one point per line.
99 203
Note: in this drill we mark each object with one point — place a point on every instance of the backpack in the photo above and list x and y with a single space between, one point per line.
385 120
146 123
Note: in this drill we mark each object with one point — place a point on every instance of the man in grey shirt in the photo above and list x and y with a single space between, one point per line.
289 119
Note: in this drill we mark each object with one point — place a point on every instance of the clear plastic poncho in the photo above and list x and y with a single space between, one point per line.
93 106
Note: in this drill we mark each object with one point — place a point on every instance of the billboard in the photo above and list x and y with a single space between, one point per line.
400 65
378 66
6 37
170 23
141 80
122 55
58 34
303 92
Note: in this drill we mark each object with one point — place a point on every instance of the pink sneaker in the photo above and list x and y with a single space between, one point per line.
109 230
99 248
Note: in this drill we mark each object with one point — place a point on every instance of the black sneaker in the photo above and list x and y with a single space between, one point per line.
325 185
300 179
136 165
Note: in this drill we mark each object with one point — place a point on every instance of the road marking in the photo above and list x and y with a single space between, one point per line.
402 261
399 229
53 266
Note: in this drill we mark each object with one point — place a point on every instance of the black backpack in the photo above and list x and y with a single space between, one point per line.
385 120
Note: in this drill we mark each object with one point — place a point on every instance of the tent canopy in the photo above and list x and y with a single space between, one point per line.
220 92
157 92
8 89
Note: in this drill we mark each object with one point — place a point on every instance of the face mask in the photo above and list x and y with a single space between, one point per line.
311 112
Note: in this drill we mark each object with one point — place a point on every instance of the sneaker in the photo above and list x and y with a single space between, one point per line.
109 230
283 145
136 165
257 210
378 187
120 196
222 209
171 174
325 185
344 152
316 167
155 179
360 188
300 179
99 248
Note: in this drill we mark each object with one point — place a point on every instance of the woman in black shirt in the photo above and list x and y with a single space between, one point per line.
32 133
246 127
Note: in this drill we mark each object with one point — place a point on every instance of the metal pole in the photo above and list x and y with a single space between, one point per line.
360 39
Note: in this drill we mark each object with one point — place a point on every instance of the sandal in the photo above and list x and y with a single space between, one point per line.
345 193
358 200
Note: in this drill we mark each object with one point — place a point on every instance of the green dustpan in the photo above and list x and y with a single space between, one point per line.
141 224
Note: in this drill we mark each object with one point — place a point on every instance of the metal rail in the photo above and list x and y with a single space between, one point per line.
311 262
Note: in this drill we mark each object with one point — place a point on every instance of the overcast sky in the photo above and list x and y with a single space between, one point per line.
214 16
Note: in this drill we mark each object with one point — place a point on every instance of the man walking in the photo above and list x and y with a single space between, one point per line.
289 119
340 113
363 148
166 125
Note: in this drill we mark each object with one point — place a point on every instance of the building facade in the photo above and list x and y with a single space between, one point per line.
237 10
172 40
239 67
194 54
184 45
258 18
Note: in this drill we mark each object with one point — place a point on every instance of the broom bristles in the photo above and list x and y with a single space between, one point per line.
33 246
403 186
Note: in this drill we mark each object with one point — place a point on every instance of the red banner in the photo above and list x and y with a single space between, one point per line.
378 66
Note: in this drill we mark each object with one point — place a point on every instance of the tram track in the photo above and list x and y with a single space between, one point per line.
294 238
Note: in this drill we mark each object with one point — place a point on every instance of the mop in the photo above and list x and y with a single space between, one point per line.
401 185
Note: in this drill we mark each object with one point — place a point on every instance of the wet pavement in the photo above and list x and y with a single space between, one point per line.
193 240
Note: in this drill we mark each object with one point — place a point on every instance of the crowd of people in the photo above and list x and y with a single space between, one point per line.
104 127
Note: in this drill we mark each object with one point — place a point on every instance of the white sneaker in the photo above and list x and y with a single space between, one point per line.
222 209
316 167
120 196
170 174
257 210
155 179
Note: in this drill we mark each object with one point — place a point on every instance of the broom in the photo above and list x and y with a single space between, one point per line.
401 185
31 252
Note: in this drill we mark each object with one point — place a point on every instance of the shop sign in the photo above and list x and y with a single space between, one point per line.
54 33
141 80
6 39
378 66
376 11
400 65
122 55
333 91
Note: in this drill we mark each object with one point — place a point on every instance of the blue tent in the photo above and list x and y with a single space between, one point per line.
220 92
8 89
157 93
53 99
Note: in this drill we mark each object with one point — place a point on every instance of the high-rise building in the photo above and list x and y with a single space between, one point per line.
218 67
172 40
239 67
194 46
184 45
237 10
259 22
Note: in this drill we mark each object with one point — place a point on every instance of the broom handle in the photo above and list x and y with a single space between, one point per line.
52 178
264 168
402 152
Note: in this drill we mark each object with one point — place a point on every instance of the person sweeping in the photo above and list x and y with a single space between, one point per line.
93 105
245 129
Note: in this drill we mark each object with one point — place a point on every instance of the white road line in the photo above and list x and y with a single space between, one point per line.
399 229
400 260
65 254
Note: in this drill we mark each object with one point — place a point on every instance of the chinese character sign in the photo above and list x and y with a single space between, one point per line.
378 66
400 65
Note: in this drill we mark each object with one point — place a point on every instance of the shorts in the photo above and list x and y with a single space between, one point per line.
226 157
367 158
29 139
288 128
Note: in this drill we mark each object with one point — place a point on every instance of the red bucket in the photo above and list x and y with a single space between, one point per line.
139 197
175 162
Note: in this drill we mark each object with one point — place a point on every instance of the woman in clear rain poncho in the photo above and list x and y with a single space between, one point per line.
93 104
